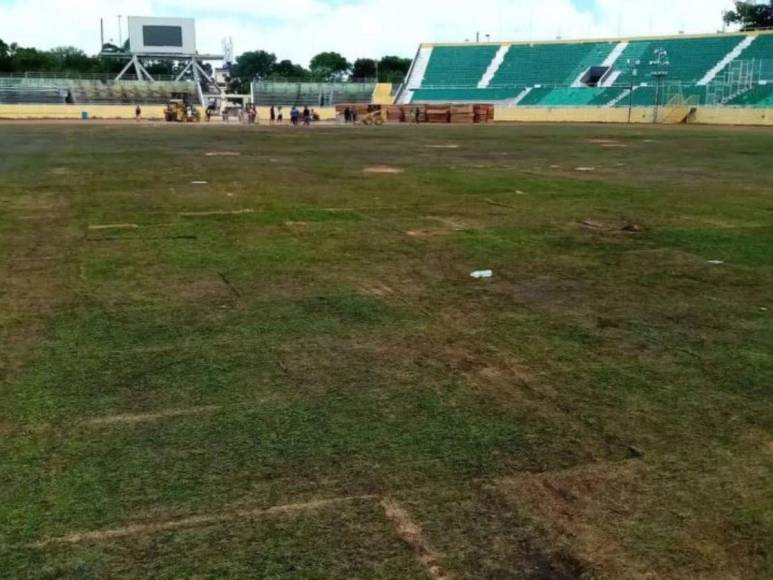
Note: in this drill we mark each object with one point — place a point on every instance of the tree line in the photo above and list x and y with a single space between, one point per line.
326 66
751 15
252 65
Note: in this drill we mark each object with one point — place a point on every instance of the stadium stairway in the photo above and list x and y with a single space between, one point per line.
415 75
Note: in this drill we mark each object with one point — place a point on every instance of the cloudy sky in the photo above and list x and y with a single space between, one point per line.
299 29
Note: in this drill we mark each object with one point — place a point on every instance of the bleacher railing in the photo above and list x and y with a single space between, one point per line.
79 76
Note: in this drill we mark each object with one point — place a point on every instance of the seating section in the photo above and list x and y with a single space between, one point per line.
268 93
689 58
548 64
552 71
458 66
83 91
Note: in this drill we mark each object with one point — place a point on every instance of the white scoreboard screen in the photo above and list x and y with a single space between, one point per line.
162 35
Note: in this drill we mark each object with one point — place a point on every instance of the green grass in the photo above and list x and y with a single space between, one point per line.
602 407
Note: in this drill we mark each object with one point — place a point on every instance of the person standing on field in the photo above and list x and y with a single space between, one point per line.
273 115
138 113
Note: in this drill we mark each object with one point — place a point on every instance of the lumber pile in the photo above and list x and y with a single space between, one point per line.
483 113
438 114
462 114
432 113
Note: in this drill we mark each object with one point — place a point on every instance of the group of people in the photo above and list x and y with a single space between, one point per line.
350 115
296 116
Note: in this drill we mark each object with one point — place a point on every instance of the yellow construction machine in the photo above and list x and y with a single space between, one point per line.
178 111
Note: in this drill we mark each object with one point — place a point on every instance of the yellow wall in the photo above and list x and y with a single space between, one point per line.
74 111
382 94
572 114
711 116
149 112
724 116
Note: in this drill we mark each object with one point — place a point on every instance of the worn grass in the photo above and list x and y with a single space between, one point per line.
297 331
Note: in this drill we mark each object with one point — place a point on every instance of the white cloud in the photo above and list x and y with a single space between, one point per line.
298 29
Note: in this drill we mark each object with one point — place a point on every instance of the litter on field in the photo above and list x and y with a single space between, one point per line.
114 227
222 154
586 169
383 169
199 182
214 213
715 262
482 274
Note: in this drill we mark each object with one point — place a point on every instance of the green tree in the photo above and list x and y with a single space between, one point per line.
751 15
330 66
6 64
287 70
31 59
364 68
254 64
393 69
71 59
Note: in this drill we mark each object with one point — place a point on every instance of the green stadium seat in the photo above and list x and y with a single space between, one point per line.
458 66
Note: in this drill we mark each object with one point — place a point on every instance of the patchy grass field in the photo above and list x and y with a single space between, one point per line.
288 372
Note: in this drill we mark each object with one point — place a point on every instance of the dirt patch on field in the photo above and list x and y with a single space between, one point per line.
383 169
579 511
377 289
222 517
441 226
622 228
34 270
412 534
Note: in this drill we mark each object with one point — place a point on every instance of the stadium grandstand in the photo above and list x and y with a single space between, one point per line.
729 69
33 88
268 93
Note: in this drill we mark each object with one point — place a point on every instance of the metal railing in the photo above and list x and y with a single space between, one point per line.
79 76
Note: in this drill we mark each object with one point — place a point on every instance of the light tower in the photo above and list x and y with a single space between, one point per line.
660 64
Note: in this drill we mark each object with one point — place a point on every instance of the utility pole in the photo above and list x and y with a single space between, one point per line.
120 32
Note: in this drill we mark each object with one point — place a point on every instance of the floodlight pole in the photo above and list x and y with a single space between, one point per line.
634 74
661 64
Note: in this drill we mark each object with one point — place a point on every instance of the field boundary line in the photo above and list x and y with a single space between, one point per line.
196 521
412 534
131 418
128 418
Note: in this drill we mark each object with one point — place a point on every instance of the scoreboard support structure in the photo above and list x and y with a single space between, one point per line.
166 39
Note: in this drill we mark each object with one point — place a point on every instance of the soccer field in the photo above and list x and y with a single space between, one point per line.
260 353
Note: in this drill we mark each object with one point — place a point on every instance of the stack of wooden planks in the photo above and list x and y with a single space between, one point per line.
462 114
432 113
483 113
